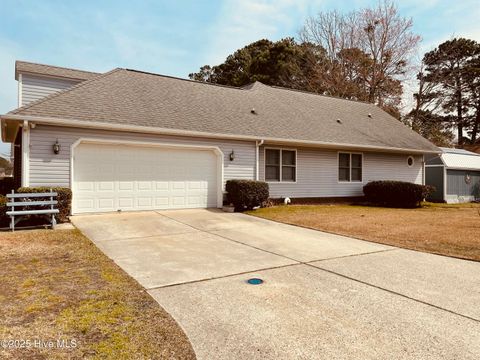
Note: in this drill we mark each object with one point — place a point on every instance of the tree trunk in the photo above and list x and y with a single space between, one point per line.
475 127
459 113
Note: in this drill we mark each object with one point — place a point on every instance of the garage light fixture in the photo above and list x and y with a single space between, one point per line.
232 155
56 147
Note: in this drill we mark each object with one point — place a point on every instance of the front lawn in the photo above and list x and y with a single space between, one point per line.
452 230
57 286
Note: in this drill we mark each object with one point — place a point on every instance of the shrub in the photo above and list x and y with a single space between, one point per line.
246 194
6 185
396 193
64 198
4 219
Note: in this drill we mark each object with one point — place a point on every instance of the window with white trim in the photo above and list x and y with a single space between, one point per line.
350 167
280 165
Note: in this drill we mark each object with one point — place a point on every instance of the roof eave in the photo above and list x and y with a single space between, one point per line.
178 132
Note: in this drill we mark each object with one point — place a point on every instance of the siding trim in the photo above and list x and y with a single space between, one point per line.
20 90
25 154
215 149
445 180
423 169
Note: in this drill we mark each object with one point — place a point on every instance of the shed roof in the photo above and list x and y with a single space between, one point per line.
460 159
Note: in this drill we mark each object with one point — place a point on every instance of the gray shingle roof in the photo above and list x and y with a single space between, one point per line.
131 97
49 70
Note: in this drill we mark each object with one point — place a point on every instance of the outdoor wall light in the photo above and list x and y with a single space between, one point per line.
56 147
232 155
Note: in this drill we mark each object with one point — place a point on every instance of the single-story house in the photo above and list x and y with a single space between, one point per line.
133 140
455 173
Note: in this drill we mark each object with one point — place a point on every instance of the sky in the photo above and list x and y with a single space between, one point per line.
177 37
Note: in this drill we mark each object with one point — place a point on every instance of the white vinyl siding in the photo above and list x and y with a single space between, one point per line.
317 173
48 169
37 87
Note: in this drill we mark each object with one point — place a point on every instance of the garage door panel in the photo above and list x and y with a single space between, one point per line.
123 177
106 203
126 202
162 185
126 186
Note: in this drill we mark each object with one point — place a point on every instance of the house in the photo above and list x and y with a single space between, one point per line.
455 173
132 140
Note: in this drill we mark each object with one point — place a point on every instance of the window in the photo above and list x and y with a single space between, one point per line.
280 165
344 167
410 161
350 167
272 165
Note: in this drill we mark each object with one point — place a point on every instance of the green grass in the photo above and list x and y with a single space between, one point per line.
58 285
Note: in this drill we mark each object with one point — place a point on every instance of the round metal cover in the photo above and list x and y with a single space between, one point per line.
255 281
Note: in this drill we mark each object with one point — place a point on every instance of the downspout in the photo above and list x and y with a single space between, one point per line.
257 158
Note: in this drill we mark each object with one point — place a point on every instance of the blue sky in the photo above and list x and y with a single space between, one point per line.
177 37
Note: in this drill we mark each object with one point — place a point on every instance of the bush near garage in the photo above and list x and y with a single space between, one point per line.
64 198
6 185
4 219
246 194
396 193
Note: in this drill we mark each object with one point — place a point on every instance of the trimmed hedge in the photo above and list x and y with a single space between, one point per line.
246 194
396 193
64 198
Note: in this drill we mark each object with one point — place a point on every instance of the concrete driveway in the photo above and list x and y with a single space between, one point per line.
324 296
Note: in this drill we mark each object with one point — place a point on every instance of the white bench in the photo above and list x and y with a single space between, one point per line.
16 213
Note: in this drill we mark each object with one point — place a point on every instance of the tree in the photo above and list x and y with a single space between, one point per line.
6 165
425 117
451 67
380 34
472 78
278 63
206 74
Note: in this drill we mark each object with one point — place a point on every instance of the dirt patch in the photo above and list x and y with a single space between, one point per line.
451 230
60 297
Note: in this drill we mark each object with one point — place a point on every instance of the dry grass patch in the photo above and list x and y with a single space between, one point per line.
451 230
58 285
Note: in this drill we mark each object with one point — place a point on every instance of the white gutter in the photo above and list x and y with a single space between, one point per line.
166 131
257 158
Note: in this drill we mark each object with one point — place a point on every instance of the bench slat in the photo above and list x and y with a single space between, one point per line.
32 203
28 195
33 212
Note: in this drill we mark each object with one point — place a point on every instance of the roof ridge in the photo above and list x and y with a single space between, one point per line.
249 86
51 96
55 66
183 79
317 94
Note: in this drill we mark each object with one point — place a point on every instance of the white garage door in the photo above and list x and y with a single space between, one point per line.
124 177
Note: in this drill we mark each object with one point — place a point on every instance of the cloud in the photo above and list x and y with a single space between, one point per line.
240 23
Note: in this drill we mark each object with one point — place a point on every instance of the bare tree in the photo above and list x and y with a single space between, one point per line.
380 33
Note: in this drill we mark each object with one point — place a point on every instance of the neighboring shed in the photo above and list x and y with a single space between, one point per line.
455 175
